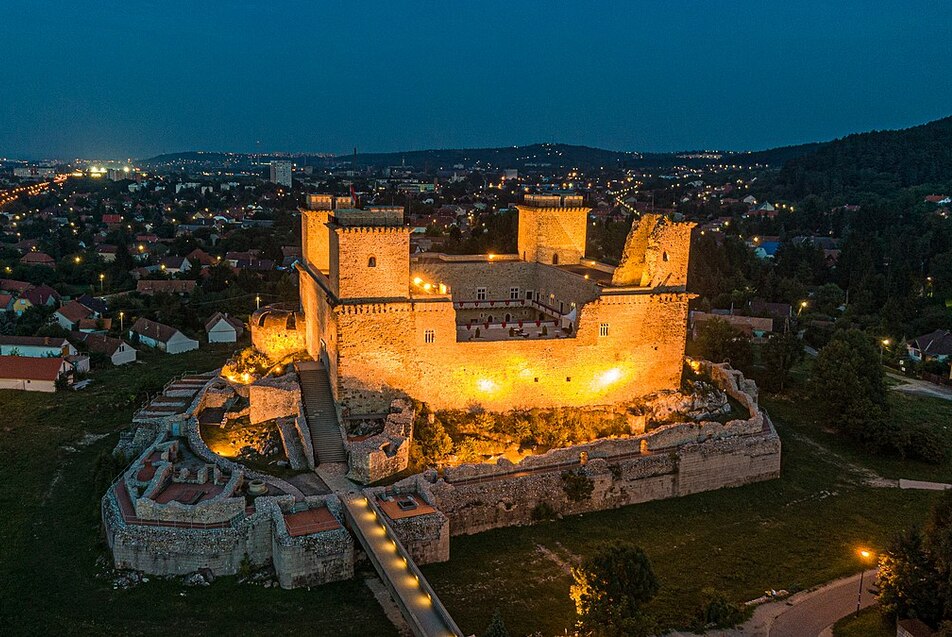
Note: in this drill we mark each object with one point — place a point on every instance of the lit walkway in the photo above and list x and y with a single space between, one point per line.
417 601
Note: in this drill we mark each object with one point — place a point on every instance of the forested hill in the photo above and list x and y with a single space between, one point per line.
876 162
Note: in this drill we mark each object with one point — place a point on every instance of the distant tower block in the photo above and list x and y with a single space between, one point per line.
552 229
280 173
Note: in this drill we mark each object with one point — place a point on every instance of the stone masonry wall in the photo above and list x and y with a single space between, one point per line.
382 355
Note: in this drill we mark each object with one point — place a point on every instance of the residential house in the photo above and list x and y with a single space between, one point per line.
201 258
6 302
175 265
750 326
150 288
95 304
32 374
38 259
935 345
222 328
161 337
94 325
42 295
70 314
118 351
107 252
36 347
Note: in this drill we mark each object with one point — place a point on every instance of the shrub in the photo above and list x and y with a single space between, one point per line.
577 485
718 611
610 589
543 511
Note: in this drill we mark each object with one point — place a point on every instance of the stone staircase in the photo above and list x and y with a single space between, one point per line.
321 413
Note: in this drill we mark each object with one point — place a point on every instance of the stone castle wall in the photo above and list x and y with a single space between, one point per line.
370 262
382 354
552 235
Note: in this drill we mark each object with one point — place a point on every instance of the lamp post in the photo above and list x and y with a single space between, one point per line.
865 555
121 315
257 302
102 280
882 345
803 305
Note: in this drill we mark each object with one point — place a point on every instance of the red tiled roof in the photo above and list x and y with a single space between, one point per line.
21 367
74 311
37 258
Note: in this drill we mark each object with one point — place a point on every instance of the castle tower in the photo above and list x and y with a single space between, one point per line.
655 255
315 235
552 229
369 253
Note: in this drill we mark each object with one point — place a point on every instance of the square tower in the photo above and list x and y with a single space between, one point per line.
552 229
369 253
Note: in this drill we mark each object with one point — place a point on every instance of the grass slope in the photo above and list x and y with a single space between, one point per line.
50 539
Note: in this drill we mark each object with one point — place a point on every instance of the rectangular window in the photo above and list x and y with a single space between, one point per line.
528 295
429 336
514 294
603 329
480 294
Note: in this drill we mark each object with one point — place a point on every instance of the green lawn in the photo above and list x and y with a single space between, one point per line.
806 419
869 623
795 532
50 542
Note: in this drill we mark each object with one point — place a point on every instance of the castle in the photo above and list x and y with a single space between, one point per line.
544 327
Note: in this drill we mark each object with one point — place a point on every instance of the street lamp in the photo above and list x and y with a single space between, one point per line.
257 302
803 305
882 345
121 315
864 554
102 279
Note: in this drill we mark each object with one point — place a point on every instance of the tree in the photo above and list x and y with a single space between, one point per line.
431 439
720 342
497 627
610 590
781 353
848 383
907 580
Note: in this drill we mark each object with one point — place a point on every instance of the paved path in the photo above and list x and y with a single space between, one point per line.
920 387
806 614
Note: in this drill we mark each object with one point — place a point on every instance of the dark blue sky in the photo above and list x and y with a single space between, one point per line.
100 79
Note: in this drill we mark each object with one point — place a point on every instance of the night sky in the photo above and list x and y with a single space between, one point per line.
133 79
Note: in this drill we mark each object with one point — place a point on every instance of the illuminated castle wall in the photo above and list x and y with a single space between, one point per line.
386 324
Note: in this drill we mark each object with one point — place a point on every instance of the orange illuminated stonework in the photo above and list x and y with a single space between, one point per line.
544 327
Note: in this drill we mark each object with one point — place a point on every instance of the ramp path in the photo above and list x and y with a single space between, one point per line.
417 601
321 413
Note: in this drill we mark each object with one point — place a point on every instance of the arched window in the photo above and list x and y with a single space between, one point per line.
555 258
372 262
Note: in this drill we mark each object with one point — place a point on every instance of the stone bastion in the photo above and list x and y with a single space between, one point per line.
220 525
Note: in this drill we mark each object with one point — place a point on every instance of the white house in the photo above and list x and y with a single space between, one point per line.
35 346
118 351
70 314
175 265
32 374
162 337
222 328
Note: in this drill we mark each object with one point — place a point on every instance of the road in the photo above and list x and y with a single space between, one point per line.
817 610
806 614
12 194
920 387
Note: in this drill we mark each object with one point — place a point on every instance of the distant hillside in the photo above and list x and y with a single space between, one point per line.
875 162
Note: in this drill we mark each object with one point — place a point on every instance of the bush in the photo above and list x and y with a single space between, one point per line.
718 611
543 511
610 589
577 485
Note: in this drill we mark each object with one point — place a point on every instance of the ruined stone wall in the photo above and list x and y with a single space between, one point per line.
353 250
274 397
656 254
271 334
382 354
633 478
312 559
386 453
